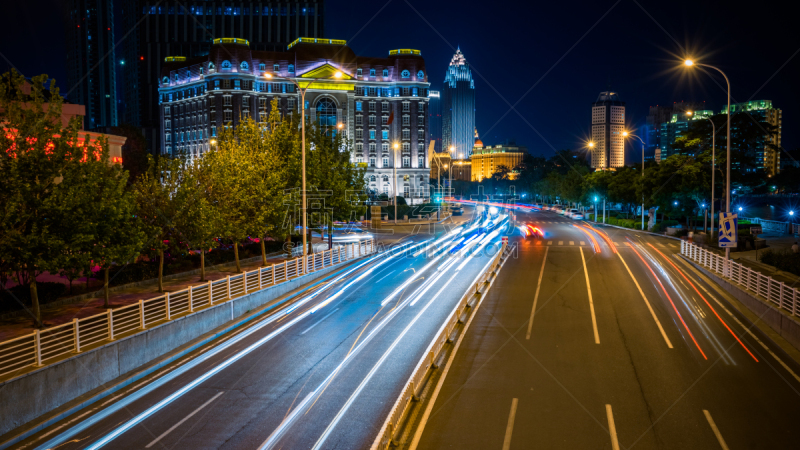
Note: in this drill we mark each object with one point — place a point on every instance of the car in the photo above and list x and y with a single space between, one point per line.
458 211
531 231
575 214
561 210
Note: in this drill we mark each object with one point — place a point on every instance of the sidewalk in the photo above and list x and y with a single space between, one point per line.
752 258
23 324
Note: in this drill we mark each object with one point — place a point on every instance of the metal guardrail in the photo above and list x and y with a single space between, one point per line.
413 386
776 292
36 349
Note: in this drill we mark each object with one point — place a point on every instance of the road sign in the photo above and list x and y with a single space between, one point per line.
728 233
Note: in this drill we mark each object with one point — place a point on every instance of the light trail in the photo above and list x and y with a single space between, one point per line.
670 300
604 236
587 233
707 303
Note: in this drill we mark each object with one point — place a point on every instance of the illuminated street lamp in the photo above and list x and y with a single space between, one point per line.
302 92
690 63
626 134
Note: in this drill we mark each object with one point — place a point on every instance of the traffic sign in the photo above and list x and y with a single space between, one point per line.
728 232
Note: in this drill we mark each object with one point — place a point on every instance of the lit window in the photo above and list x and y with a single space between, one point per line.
385 73
420 75
358 72
358 106
372 134
385 134
372 72
414 91
226 64
291 68
244 65
326 112
405 74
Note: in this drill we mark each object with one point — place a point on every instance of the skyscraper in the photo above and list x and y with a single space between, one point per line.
767 157
608 123
658 120
458 108
90 60
162 28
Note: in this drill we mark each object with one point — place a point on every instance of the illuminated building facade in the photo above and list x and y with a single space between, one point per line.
608 124
458 108
768 159
655 124
156 29
379 101
435 120
486 160
90 60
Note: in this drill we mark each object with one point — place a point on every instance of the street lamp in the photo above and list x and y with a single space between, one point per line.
690 63
626 134
394 174
713 163
338 74
595 207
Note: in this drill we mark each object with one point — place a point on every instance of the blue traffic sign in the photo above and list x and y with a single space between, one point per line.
728 230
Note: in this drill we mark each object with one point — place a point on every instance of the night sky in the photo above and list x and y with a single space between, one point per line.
561 53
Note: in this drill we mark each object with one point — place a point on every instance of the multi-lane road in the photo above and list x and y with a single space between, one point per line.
322 373
581 349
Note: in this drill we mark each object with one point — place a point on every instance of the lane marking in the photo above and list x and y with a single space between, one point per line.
583 242
709 305
381 279
536 295
510 427
571 242
183 420
661 245
591 303
612 429
319 321
560 242
716 430
672 245
747 329
549 242
649 307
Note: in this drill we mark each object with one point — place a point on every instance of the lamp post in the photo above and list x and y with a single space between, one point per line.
626 134
595 209
302 92
713 165
395 146
690 63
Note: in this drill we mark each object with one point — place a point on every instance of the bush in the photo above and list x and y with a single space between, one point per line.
785 260
47 291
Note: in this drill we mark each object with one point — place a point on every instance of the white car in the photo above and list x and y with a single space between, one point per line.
561 210
575 214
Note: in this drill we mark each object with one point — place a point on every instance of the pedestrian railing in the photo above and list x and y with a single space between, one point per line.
42 346
414 385
774 291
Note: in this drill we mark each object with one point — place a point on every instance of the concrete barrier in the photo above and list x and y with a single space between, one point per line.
36 393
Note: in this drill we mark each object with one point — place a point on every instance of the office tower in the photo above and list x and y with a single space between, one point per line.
458 108
660 115
157 29
608 124
767 156
199 95
90 60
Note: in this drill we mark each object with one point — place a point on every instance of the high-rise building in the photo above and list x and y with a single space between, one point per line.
200 95
90 60
458 108
657 117
678 124
161 28
435 120
767 157
487 160
608 124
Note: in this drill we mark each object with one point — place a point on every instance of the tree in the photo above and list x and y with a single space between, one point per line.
198 225
134 152
49 180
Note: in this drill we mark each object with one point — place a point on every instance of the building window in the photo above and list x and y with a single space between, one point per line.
406 163
372 120
359 120
291 68
405 74
227 99
421 162
236 84
358 72
213 130
262 102
405 92
414 91
359 148
168 124
406 120
372 134
228 116
385 162
226 64
372 162
406 106
372 72
385 147
244 65
385 134
226 84
168 137
262 67
420 75
291 103
372 147
326 112
385 106
359 133
210 67
385 73
420 134
421 148
371 106
406 134
358 106
360 159
421 120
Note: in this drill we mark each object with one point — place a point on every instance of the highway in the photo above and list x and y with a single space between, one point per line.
578 349
321 373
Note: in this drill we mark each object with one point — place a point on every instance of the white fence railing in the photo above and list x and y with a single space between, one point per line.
35 349
413 387
774 226
776 292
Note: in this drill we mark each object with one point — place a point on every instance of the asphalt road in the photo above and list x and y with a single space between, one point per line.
299 379
599 368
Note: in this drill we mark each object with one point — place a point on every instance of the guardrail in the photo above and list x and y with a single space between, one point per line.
413 386
34 350
776 292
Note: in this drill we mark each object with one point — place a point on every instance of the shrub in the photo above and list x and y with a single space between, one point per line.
47 291
785 260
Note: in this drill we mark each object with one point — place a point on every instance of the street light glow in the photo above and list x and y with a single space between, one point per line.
689 62
791 213
624 133
740 208
591 144
340 126
689 113
396 146
268 75
338 74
